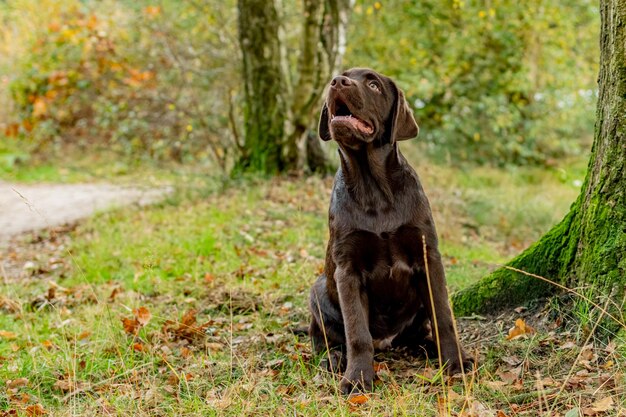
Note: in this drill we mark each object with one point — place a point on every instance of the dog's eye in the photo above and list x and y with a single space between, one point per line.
374 85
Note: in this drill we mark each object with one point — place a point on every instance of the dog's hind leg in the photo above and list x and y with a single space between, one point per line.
417 337
326 329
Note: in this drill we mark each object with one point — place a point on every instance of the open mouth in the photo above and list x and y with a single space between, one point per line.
342 114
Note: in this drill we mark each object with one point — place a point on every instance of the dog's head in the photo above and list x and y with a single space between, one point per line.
362 106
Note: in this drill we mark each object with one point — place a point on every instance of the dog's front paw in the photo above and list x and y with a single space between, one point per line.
457 363
358 378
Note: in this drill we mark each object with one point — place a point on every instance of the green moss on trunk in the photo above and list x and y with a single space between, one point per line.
550 257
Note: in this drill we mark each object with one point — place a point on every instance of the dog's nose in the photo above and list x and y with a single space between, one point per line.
340 81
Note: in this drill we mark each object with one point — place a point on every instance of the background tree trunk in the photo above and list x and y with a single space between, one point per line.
264 108
281 107
588 247
322 48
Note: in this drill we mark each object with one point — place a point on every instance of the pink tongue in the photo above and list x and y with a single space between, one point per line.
356 123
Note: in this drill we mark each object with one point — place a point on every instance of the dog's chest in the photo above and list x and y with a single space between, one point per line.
389 266
396 252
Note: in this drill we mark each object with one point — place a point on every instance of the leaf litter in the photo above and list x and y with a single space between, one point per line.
525 357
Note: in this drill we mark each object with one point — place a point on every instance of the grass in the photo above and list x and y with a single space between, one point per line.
210 280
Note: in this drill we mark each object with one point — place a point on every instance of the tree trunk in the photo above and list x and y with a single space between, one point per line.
281 108
322 48
265 108
588 247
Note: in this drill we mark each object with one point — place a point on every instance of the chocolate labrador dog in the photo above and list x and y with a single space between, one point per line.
382 261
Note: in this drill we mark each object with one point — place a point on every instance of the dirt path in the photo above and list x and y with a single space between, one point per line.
25 208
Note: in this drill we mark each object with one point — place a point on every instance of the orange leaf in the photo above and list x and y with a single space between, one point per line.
520 329
131 326
27 125
152 11
138 347
84 335
380 367
185 352
47 344
92 23
7 335
143 315
35 410
358 399
39 107
189 319
11 130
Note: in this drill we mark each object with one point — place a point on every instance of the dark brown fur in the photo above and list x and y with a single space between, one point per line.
374 286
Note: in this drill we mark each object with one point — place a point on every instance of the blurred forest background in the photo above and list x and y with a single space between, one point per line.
181 307
497 82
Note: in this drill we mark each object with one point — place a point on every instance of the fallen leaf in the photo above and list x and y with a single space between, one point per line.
381 367
453 396
478 409
520 329
47 344
509 376
358 399
574 412
186 329
496 385
114 293
208 278
568 345
214 346
84 335
7 335
16 383
139 347
143 315
275 364
9 305
185 352
39 107
603 405
131 326
36 410
512 360
64 385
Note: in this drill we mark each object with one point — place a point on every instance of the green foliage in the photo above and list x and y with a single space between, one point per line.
131 77
494 82
491 82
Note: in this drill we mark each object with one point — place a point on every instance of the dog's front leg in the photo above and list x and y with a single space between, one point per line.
354 310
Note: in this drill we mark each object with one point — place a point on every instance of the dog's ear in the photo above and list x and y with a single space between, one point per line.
323 131
403 124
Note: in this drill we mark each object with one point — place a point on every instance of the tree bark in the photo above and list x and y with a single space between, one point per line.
281 108
265 108
588 247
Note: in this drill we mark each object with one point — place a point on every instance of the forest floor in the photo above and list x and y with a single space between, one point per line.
184 307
